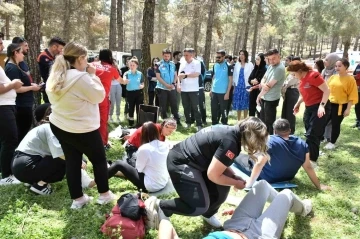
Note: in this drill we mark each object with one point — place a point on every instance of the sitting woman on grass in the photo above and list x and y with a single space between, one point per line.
166 128
150 173
248 220
39 159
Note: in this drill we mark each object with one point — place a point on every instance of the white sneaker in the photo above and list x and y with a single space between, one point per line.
152 215
307 207
213 221
330 146
102 200
9 180
77 204
85 179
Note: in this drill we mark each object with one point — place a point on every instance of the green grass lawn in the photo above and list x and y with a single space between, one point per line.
25 215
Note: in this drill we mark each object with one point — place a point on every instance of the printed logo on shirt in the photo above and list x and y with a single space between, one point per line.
230 155
307 85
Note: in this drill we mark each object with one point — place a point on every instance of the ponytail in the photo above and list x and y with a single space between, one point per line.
57 75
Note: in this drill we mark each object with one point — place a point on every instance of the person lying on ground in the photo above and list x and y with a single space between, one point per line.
39 159
150 173
199 168
287 154
248 221
166 128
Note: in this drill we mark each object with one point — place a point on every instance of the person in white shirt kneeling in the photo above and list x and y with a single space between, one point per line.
150 173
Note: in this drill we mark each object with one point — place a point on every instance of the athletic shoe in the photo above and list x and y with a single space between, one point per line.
213 221
77 204
330 146
102 200
85 179
42 190
9 180
307 207
161 214
152 216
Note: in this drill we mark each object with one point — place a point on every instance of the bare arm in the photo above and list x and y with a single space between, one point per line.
326 92
24 89
216 174
262 159
6 87
310 172
229 84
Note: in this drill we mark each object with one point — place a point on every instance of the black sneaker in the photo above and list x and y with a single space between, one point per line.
42 190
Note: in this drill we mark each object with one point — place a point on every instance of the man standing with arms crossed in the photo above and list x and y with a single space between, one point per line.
166 76
220 91
271 84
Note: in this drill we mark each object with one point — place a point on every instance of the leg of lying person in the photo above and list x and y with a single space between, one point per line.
167 230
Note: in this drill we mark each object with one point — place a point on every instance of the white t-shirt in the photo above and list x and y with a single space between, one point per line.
41 141
190 84
9 97
151 160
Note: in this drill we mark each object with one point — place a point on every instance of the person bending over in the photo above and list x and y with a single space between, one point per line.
198 168
166 128
150 173
39 159
287 152
248 221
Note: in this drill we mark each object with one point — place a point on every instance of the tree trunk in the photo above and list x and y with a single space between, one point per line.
256 26
321 46
91 40
247 24
125 22
334 43
347 41
197 24
209 28
160 26
270 43
147 39
66 28
135 28
7 27
356 43
32 25
120 27
315 46
235 41
112 31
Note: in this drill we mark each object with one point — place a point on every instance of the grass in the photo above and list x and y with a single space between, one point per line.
25 215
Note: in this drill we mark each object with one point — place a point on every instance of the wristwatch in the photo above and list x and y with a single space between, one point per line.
322 104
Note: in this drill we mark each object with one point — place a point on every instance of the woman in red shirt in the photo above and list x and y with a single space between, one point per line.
314 92
106 71
166 128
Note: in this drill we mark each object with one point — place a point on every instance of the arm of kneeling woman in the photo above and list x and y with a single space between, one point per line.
216 174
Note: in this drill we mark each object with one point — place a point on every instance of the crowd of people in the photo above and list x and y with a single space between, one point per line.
79 101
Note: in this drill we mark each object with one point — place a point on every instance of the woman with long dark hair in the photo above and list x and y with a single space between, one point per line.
151 76
254 81
107 72
242 71
25 96
74 95
319 65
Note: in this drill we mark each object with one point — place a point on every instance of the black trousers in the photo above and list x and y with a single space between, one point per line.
197 194
287 112
315 128
131 154
134 99
268 113
336 120
357 111
34 168
152 97
190 102
8 138
219 106
74 146
165 97
252 102
45 96
202 107
231 96
24 119
129 172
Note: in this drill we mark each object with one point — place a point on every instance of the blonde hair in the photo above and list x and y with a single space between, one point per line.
254 137
57 77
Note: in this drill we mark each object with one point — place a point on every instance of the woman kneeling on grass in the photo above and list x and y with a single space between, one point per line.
39 159
248 220
150 173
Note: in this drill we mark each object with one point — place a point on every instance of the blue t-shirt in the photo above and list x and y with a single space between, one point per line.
287 156
217 235
135 79
221 72
167 73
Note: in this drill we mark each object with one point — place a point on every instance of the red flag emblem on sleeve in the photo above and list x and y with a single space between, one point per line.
230 155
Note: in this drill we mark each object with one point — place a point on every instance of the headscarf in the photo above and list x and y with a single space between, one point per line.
331 58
